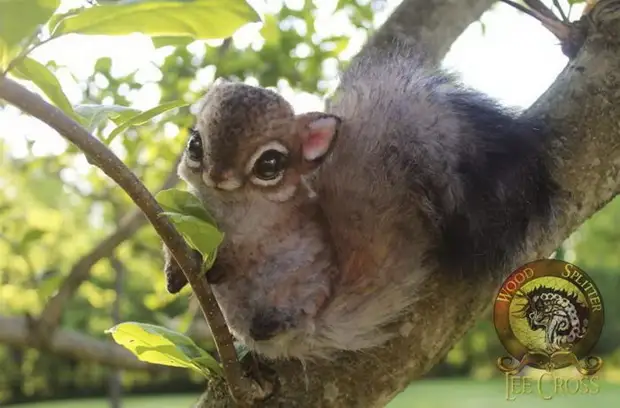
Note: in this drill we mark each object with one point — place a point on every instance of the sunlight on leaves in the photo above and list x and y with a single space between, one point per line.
95 115
143 117
193 221
271 30
184 202
159 345
32 70
200 19
19 20
201 236
30 237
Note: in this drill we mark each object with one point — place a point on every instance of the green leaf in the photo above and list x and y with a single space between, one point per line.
31 236
95 115
200 235
4 207
159 345
103 64
200 19
47 286
193 221
184 202
53 22
271 30
144 117
19 20
176 41
340 44
32 70
5 55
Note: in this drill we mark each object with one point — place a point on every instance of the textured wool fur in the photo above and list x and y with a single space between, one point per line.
422 176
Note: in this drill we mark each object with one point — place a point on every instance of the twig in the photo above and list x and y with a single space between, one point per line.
24 53
541 13
559 7
112 166
521 8
127 226
540 7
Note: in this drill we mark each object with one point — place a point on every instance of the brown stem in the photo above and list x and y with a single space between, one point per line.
563 31
540 7
127 226
560 10
113 167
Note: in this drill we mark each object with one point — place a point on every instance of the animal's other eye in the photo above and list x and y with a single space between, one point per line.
194 146
270 164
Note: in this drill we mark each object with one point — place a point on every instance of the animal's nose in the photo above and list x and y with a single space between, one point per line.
265 325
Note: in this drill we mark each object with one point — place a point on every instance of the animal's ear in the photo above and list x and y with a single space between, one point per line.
317 132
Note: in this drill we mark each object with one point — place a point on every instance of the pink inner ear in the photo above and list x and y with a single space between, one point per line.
319 137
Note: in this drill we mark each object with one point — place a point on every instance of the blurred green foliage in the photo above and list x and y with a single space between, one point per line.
54 209
52 214
595 248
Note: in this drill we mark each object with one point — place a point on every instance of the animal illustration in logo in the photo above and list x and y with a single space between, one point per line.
558 312
548 314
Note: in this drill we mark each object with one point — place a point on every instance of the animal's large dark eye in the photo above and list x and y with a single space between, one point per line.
194 146
270 164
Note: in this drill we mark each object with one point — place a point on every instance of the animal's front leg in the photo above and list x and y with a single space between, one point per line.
175 278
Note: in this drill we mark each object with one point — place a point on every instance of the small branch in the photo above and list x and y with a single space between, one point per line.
560 10
430 26
14 331
521 8
24 53
99 154
540 7
568 34
129 225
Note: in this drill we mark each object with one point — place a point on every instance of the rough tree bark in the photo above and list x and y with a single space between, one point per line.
582 108
434 25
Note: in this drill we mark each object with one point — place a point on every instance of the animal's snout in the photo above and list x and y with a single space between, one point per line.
265 325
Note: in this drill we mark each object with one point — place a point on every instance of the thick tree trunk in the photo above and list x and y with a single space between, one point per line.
582 108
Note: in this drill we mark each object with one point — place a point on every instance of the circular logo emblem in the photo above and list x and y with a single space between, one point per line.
548 314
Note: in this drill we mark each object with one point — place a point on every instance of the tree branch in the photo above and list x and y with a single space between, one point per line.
240 387
129 225
562 30
431 25
15 331
581 110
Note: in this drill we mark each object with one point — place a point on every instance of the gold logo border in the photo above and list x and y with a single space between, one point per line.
579 355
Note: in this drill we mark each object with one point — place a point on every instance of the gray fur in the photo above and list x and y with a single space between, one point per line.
420 180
